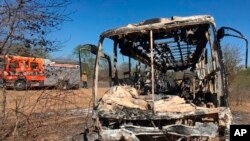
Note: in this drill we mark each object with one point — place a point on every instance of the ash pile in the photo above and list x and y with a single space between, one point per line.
125 101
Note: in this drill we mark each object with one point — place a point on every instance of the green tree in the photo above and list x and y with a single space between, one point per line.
232 60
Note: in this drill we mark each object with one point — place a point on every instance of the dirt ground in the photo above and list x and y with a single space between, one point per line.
239 101
39 100
241 112
63 115
47 114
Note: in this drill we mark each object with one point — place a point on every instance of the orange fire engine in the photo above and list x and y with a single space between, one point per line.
23 72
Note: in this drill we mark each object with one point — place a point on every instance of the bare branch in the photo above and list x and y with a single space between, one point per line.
28 23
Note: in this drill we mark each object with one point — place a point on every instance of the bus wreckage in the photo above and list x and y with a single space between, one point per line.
178 88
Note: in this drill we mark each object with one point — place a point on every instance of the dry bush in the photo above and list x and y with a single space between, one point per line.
44 114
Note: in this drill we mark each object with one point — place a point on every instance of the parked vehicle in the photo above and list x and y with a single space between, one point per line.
180 90
21 73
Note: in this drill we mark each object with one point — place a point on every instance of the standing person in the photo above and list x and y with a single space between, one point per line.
84 80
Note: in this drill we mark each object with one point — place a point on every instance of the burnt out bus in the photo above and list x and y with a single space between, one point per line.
178 90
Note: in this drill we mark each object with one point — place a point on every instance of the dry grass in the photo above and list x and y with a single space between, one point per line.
46 114
37 100
60 115
239 99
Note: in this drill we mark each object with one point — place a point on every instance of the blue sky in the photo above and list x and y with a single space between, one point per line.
91 17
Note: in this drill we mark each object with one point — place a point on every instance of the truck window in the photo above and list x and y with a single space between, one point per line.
26 64
13 65
2 63
1 60
34 65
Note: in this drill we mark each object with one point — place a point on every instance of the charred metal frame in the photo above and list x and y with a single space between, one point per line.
152 66
169 25
214 77
222 33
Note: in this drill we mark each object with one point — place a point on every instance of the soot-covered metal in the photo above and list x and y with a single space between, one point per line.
180 94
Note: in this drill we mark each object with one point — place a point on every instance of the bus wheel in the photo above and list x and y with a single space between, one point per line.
20 85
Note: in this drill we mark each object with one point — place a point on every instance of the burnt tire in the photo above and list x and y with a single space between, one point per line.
76 87
20 85
63 85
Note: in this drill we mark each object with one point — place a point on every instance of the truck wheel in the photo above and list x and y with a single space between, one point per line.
76 87
64 85
20 85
